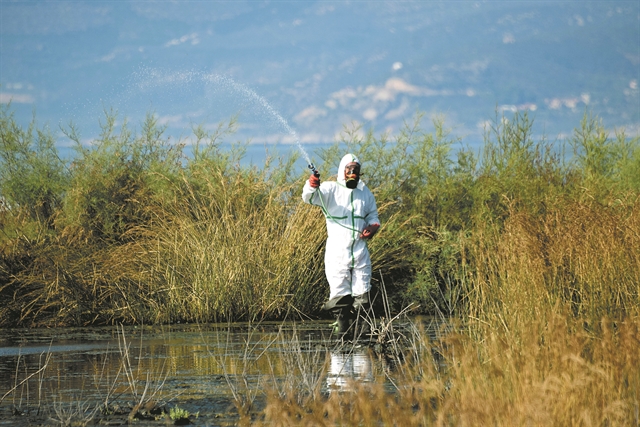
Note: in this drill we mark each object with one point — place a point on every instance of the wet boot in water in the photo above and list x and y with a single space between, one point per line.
363 317
341 308
344 322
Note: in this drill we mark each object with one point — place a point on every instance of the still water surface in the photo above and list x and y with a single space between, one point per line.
199 367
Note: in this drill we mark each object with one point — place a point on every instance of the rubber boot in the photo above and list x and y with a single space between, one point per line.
363 317
342 310
344 320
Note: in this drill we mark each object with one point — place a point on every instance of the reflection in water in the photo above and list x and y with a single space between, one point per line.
204 365
349 367
192 361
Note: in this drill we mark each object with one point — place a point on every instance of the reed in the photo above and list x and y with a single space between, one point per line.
135 391
580 254
141 232
553 373
239 372
145 385
75 413
547 280
298 370
228 260
21 389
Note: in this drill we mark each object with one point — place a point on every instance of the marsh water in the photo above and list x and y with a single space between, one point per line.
200 368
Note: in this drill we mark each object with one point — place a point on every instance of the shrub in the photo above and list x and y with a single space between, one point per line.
33 178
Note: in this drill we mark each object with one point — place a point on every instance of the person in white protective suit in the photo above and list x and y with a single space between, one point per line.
352 218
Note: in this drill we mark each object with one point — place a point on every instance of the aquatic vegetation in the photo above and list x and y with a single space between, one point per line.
142 231
551 371
145 385
180 415
133 391
551 376
78 413
528 247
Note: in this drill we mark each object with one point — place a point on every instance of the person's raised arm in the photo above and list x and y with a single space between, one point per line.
310 187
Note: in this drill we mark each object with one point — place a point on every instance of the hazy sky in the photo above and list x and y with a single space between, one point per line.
312 67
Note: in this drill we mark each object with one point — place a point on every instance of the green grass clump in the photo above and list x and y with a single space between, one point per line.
176 414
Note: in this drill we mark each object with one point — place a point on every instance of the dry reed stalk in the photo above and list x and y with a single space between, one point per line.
145 385
230 261
556 375
40 372
78 413
584 254
239 370
298 369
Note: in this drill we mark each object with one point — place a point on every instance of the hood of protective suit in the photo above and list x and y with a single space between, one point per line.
348 158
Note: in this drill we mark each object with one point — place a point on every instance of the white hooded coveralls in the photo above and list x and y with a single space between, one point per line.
348 212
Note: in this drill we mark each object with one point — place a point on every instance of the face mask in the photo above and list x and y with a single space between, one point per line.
352 175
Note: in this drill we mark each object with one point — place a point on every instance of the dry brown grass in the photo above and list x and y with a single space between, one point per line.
550 336
226 260
556 375
580 253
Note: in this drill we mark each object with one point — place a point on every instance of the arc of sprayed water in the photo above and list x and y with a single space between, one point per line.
215 78
155 77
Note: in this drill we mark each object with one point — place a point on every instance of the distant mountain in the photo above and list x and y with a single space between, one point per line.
316 66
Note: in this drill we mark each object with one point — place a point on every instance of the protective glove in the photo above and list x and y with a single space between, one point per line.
314 180
369 231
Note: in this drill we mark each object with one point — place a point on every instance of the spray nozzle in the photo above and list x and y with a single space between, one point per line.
314 170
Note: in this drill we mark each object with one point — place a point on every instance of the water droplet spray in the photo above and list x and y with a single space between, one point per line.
267 107
148 77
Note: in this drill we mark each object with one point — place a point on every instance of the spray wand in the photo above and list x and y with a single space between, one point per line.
314 170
